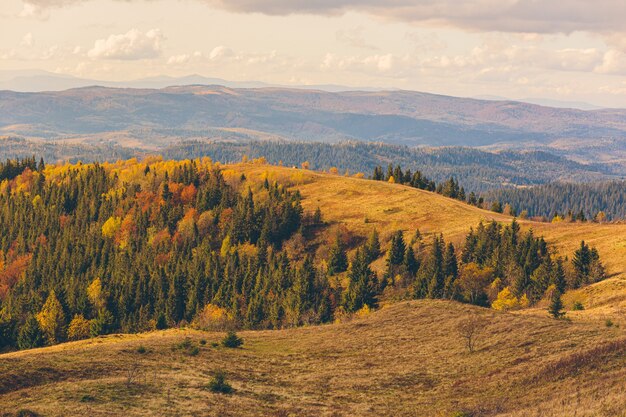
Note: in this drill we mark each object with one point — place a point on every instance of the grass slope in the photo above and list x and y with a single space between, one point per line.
363 205
405 359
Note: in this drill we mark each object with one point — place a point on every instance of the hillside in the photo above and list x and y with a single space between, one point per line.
363 205
152 119
405 360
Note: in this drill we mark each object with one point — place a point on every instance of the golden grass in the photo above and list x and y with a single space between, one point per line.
404 360
363 204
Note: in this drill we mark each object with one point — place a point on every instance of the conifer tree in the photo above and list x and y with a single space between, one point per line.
338 258
372 247
30 335
556 305
361 290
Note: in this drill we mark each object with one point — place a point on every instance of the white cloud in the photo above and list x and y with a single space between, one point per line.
613 62
27 40
131 45
221 52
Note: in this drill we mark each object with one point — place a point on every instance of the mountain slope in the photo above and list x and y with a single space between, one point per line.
403 360
400 117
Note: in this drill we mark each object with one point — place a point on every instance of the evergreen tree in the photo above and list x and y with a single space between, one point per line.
372 247
338 258
30 335
556 305
362 289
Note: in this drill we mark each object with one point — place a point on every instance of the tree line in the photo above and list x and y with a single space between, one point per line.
600 201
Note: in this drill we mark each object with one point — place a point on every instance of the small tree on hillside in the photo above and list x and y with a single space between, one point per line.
470 329
556 305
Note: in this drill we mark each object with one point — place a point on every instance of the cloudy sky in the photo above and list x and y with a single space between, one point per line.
573 50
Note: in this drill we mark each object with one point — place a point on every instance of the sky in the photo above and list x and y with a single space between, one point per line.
571 50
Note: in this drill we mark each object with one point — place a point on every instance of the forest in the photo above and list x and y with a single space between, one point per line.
603 201
92 249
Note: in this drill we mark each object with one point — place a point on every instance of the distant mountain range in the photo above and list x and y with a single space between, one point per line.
32 81
152 119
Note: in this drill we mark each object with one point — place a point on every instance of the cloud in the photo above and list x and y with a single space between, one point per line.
183 58
613 62
531 16
354 38
491 15
131 45
27 40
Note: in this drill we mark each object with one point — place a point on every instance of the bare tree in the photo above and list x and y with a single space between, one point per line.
133 374
470 329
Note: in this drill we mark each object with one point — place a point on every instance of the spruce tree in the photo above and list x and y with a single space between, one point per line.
372 247
338 258
30 335
556 305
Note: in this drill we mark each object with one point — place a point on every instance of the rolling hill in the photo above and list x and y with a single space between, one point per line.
363 205
404 359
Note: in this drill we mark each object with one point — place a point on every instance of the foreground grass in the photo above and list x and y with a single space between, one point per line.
406 359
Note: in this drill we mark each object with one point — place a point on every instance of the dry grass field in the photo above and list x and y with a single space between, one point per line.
406 359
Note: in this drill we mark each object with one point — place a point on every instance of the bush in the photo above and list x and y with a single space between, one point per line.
232 340
194 351
26 413
203 342
141 349
219 384
609 323
79 328
578 306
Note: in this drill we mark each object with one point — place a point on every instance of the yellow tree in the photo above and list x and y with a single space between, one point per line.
78 328
52 319
96 294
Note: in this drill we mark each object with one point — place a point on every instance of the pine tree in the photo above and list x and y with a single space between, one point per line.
338 258
30 335
409 262
362 289
397 248
556 305
581 261
372 247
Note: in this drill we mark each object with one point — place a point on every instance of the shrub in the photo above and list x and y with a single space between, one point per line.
26 413
194 351
578 306
161 322
203 342
219 384
609 323
141 349
212 317
232 340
